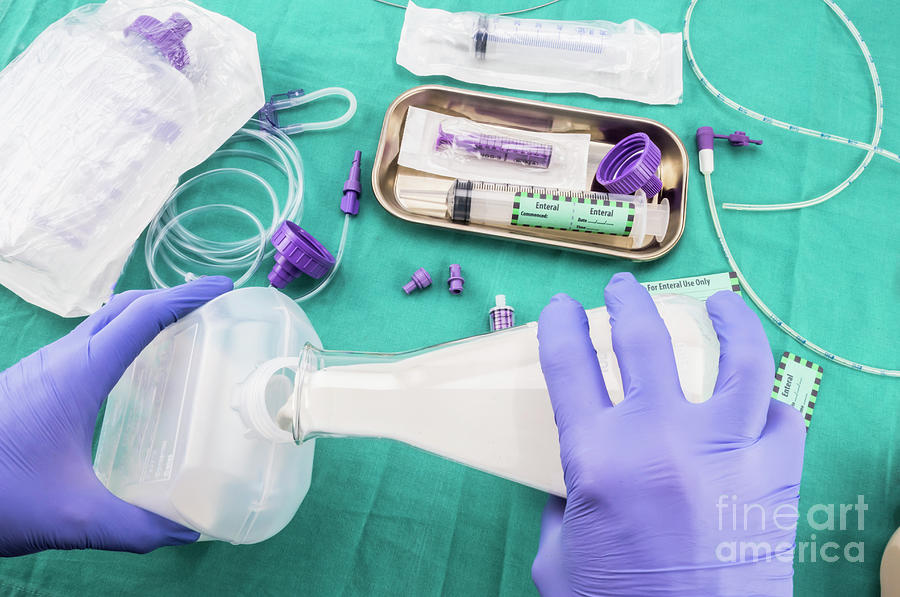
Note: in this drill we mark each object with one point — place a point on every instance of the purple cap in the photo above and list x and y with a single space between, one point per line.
419 279
166 37
455 280
352 188
501 316
631 165
296 252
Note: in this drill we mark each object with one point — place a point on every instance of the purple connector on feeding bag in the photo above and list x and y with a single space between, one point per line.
268 114
494 147
352 188
165 37
455 281
296 252
631 165
419 279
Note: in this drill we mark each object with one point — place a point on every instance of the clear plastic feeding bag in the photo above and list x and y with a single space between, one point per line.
99 116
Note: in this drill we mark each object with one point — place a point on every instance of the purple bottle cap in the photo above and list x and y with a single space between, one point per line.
631 165
352 188
419 279
166 37
296 252
455 280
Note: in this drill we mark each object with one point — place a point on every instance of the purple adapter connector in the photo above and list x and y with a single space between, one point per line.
296 252
456 281
352 187
706 139
419 279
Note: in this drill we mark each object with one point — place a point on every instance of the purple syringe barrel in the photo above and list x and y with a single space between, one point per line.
496 147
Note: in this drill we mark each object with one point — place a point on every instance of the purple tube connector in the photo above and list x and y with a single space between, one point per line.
268 114
494 147
456 281
631 165
352 187
419 279
706 136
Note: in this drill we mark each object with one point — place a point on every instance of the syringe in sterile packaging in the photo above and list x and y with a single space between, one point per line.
513 206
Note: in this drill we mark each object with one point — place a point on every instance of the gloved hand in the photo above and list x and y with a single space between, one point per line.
657 486
49 495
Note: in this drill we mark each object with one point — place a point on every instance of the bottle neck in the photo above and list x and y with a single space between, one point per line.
263 396
341 393
481 402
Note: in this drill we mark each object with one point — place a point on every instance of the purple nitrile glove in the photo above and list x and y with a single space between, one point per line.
49 495
666 497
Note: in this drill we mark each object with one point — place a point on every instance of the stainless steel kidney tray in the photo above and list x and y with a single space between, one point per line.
604 128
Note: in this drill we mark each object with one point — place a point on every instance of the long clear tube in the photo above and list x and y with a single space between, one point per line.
171 241
871 148
745 285
337 263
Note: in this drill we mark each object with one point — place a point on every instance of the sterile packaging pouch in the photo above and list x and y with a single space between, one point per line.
99 116
631 60
461 148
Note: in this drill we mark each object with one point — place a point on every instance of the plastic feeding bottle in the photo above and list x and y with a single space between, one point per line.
189 431
213 424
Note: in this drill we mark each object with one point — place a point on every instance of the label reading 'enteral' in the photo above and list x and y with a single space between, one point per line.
583 214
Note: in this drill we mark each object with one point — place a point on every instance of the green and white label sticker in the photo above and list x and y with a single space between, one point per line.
797 383
699 287
562 212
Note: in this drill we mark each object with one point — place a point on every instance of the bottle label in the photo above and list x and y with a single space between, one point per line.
563 212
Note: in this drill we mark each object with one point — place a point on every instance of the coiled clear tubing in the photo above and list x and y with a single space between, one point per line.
181 250
870 148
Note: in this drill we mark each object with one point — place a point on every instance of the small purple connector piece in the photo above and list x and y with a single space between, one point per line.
296 252
420 279
501 316
706 139
494 147
456 280
268 114
737 138
631 165
352 188
166 37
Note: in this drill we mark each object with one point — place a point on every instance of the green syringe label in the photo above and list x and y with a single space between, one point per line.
583 214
